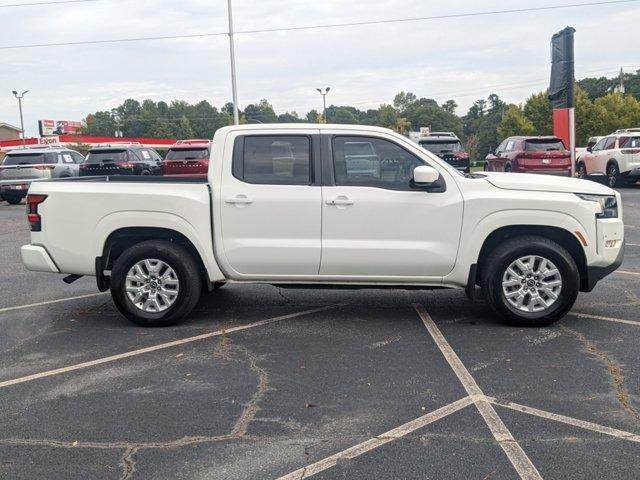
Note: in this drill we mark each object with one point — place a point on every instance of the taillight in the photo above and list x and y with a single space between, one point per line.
125 164
44 167
630 151
35 221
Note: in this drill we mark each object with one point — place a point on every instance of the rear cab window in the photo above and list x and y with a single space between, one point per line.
544 145
273 160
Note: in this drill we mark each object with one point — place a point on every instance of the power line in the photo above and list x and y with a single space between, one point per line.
34 4
328 25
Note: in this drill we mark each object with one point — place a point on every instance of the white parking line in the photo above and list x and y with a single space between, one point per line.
633 244
378 441
614 432
518 458
153 348
49 302
608 319
626 272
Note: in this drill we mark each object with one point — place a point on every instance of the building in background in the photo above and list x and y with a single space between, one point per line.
9 132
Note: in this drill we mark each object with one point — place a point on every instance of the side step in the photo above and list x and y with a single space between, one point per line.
71 278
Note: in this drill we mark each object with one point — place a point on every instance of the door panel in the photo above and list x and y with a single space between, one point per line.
271 229
373 231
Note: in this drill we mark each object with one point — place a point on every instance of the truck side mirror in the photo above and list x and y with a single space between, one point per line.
424 176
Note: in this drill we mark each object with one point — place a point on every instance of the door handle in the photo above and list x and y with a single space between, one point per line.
239 200
340 200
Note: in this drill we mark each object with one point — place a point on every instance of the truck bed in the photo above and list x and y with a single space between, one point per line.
79 214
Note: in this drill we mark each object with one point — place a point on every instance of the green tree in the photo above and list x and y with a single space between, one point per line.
184 130
450 106
514 122
539 111
387 116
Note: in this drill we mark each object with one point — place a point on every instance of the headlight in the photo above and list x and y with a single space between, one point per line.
608 204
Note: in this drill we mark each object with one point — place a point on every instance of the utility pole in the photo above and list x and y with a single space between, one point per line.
324 102
234 85
20 97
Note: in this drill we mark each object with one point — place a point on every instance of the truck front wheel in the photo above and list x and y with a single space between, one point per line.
155 283
530 281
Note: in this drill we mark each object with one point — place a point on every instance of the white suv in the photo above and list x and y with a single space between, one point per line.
617 156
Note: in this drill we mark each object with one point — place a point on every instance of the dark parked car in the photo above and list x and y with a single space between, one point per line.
187 157
121 159
448 147
530 155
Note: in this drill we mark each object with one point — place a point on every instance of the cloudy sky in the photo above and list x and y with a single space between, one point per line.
460 58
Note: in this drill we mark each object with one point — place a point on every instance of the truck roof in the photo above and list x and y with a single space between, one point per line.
304 126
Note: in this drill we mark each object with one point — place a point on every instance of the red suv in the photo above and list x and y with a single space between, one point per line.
187 157
530 155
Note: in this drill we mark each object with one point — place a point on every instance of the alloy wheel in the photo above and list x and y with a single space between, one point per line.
152 285
532 284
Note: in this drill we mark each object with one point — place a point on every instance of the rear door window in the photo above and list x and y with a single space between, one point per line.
630 142
77 157
543 145
274 160
134 156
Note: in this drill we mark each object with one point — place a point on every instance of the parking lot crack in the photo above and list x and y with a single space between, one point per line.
613 368
233 352
128 463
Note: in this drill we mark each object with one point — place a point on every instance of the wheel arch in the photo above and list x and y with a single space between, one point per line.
123 238
559 235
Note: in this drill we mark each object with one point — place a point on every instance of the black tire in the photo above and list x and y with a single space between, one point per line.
13 199
186 270
613 175
507 168
486 166
496 264
582 170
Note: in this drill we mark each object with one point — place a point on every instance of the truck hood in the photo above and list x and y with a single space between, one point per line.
545 183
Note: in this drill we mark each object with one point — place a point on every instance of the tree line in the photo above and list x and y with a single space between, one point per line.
600 109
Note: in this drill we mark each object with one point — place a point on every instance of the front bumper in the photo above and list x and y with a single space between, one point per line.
595 273
37 259
610 251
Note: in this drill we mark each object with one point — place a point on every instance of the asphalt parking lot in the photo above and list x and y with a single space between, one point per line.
268 383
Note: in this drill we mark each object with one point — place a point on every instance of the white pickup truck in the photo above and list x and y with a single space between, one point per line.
293 205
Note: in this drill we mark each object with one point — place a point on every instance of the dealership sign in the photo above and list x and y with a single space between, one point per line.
59 127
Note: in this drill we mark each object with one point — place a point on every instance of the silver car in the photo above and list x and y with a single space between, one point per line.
23 166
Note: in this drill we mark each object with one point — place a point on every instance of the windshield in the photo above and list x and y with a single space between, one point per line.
543 145
29 159
441 147
188 154
107 156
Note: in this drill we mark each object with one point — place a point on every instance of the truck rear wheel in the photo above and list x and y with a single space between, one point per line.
155 283
530 281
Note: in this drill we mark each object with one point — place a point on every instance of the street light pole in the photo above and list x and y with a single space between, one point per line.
19 97
234 86
324 102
